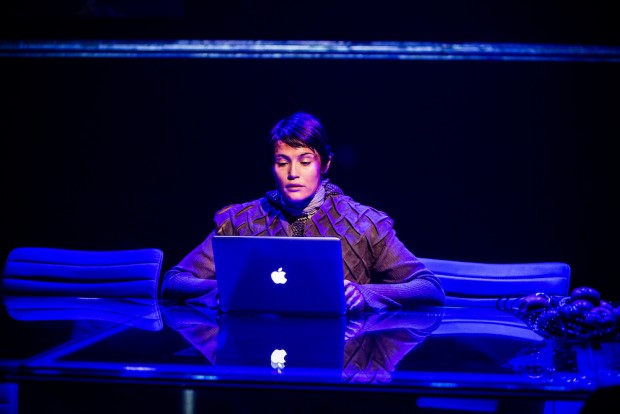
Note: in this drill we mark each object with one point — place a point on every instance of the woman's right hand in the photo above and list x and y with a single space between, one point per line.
353 297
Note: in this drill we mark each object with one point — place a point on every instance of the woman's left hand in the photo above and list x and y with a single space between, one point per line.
354 299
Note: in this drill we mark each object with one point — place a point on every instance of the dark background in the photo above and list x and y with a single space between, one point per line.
539 21
490 161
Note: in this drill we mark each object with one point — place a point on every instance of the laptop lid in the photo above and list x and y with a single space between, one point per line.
280 274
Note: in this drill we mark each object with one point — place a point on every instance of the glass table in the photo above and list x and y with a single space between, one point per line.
82 355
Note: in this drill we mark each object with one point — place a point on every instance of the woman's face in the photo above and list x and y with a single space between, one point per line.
297 172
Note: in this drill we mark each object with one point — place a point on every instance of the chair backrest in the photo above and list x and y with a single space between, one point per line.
80 273
484 284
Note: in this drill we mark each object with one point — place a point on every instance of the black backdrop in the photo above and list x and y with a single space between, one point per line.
591 22
491 161
475 160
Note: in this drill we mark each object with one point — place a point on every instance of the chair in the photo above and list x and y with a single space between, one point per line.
80 273
486 284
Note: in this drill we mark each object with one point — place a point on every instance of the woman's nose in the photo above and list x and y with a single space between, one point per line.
292 172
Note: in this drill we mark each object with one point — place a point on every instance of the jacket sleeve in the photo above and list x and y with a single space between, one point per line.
399 279
194 276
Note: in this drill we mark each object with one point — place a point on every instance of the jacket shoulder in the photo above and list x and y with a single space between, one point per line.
253 218
360 216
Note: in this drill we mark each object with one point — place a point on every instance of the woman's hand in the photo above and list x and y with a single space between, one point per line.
354 327
353 297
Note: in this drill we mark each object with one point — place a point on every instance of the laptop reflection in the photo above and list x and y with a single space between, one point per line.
364 348
281 344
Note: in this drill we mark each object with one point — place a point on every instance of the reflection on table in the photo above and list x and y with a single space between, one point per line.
432 355
361 348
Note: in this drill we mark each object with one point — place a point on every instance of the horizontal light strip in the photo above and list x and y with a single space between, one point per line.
258 49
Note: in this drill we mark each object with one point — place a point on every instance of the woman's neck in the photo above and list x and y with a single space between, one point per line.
306 207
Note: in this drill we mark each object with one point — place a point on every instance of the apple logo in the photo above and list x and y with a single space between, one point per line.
278 276
277 359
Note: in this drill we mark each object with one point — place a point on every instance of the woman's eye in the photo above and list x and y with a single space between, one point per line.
281 164
306 163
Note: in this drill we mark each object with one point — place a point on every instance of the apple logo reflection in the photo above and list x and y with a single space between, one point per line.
277 359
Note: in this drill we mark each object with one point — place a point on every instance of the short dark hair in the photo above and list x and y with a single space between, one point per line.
302 129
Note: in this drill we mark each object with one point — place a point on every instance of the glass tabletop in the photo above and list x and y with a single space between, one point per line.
437 348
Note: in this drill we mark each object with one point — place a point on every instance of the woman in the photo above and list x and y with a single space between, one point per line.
380 272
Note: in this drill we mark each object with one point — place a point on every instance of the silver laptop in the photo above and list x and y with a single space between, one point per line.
299 275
